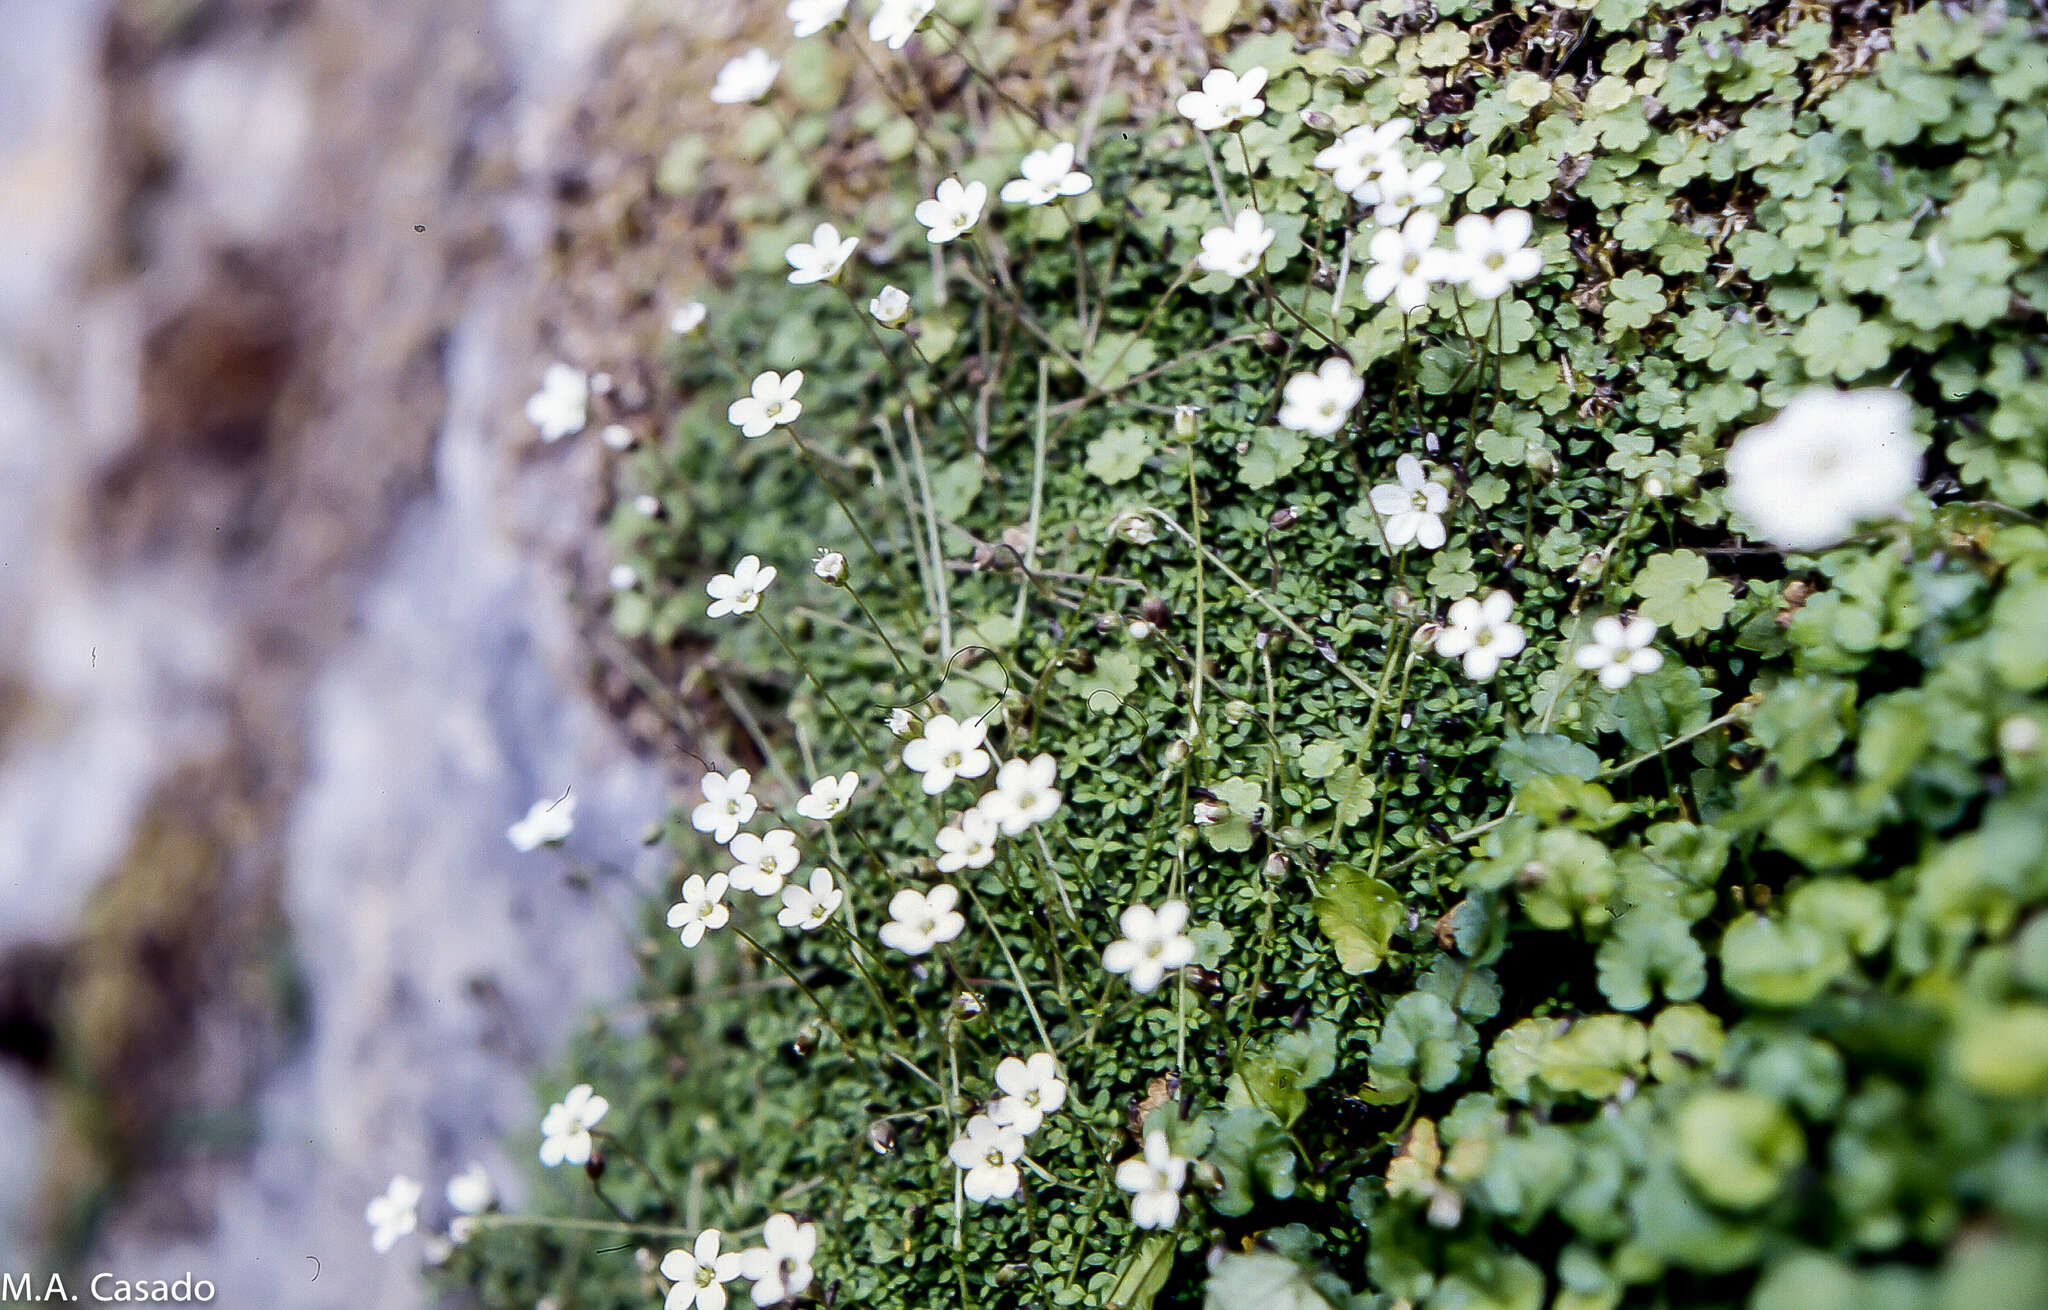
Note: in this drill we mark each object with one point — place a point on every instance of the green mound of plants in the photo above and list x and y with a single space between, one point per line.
1613 871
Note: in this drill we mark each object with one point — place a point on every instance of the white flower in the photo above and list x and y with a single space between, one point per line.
745 78
829 797
1493 254
829 566
969 844
1224 99
617 436
988 1153
1134 526
899 721
952 211
470 1192
781 1266
739 591
810 17
1829 461
700 1274
762 861
728 803
1619 651
1032 1089
895 21
1483 633
647 506
807 908
689 316
562 405
1236 251
1024 794
948 749
548 822
565 1129
1153 944
771 402
623 577
394 1214
1154 1181
919 921
1411 507
702 909
1398 190
820 258
1046 175
1321 401
1406 263
890 306
1355 158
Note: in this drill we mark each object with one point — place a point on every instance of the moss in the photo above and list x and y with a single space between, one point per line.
1767 890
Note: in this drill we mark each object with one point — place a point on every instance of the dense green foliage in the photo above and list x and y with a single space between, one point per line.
1726 989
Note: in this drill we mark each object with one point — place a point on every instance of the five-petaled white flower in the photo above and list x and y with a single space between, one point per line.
828 797
565 1129
761 862
562 405
702 909
946 750
1032 1089
1354 159
1406 263
1154 1181
953 210
1224 100
1827 462
890 306
1619 651
1493 254
1236 251
689 316
807 908
919 920
820 258
1320 402
770 403
739 592
728 803
1046 175
987 1152
970 843
896 21
745 78
1398 190
781 1266
1023 795
394 1214
700 1274
1483 633
1411 508
1153 945
810 17
470 1192
548 822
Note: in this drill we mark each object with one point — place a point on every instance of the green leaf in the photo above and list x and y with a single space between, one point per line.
1251 1151
1244 798
1678 593
1119 454
1423 1044
1274 453
1359 915
1521 758
1262 1280
1737 1148
1143 1273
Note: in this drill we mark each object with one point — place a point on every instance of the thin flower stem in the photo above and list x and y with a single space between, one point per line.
623 1152
938 383
1023 988
859 528
776 960
499 1219
1251 186
880 631
963 45
874 761
1037 496
931 524
853 950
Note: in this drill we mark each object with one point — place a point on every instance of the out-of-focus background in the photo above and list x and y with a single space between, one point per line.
289 627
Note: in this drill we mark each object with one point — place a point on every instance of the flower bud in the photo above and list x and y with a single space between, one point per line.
1237 711
2019 735
830 568
1135 527
1653 487
890 306
1210 813
647 506
1177 752
902 724
1541 459
1315 120
1186 421
1139 630
1284 518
